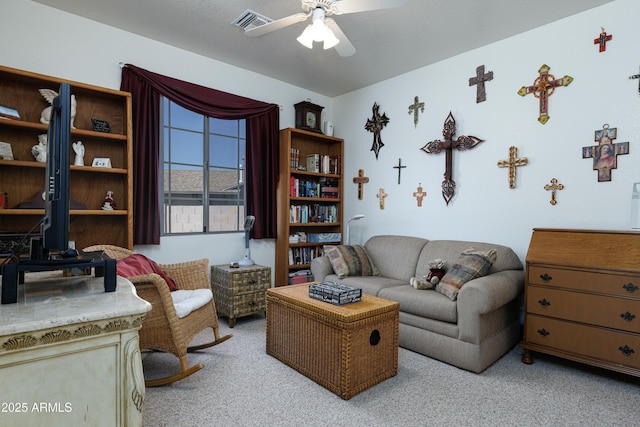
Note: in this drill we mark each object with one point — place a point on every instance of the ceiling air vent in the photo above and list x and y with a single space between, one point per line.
250 19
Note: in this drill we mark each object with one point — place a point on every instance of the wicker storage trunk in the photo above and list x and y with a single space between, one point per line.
346 349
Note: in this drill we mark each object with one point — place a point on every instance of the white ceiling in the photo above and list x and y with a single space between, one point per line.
389 42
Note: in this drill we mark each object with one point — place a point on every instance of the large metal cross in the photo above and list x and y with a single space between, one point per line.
542 88
479 79
463 143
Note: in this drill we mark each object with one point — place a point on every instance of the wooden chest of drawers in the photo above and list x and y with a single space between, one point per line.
582 297
241 291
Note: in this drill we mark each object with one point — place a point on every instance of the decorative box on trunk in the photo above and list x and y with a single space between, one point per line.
335 293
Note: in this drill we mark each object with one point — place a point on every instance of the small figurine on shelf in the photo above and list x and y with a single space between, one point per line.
109 203
39 151
79 150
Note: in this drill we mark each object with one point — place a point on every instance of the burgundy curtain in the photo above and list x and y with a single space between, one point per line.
262 146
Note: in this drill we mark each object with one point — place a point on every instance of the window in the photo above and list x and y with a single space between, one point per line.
202 187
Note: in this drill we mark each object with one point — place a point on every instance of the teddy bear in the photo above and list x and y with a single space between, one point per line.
436 272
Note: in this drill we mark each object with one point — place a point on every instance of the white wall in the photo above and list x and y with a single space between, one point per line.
484 208
45 40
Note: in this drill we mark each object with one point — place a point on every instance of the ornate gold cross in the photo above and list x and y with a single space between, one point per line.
542 88
361 180
463 143
553 187
512 163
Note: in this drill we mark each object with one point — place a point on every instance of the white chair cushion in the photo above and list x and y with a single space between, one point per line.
186 301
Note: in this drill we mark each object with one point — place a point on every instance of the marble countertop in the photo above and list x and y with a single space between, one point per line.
48 300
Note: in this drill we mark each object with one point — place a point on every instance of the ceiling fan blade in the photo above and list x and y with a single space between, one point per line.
276 25
353 6
344 48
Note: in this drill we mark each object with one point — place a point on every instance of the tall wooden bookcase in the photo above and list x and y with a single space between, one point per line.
23 179
309 201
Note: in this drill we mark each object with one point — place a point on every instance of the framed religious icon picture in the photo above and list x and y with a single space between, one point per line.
308 116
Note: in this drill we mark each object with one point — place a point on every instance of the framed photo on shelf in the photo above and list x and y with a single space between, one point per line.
9 112
101 162
5 151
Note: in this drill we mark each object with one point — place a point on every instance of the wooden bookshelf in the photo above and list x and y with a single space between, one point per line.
309 199
23 178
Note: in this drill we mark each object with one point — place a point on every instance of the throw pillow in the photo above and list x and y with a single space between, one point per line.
350 260
138 264
470 264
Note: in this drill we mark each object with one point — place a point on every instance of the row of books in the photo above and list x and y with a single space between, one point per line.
323 163
304 255
300 276
325 188
313 213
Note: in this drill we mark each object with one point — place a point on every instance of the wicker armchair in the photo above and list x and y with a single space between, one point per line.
162 330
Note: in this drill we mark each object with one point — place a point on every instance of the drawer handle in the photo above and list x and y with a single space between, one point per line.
630 287
545 277
543 332
544 303
626 350
628 317
252 281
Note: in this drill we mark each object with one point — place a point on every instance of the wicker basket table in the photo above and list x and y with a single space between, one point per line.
240 292
346 349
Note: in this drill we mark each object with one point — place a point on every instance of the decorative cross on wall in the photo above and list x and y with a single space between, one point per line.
414 108
634 77
553 187
361 180
461 144
375 125
605 154
479 79
602 40
419 195
399 167
542 88
381 195
512 163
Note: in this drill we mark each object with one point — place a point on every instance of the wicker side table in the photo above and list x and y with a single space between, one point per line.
240 292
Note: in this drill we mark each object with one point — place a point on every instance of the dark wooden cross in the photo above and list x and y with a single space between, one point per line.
419 195
463 143
554 186
375 125
605 154
479 79
414 109
512 163
361 180
634 77
399 167
381 195
602 40
542 88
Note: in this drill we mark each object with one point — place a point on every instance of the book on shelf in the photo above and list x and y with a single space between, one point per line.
313 162
295 158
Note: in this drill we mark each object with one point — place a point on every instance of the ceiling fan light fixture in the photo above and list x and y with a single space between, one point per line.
330 39
306 39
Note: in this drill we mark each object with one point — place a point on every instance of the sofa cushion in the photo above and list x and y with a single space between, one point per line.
138 264
350 260
428 304
470 264
395 257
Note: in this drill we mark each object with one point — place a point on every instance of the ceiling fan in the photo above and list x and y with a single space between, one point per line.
323 28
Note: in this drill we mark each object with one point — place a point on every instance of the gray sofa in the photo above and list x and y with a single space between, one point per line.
470 333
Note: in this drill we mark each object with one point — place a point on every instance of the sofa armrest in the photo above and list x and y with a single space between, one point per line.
484 295
321 268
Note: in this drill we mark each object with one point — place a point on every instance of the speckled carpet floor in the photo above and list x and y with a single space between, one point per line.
241 385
